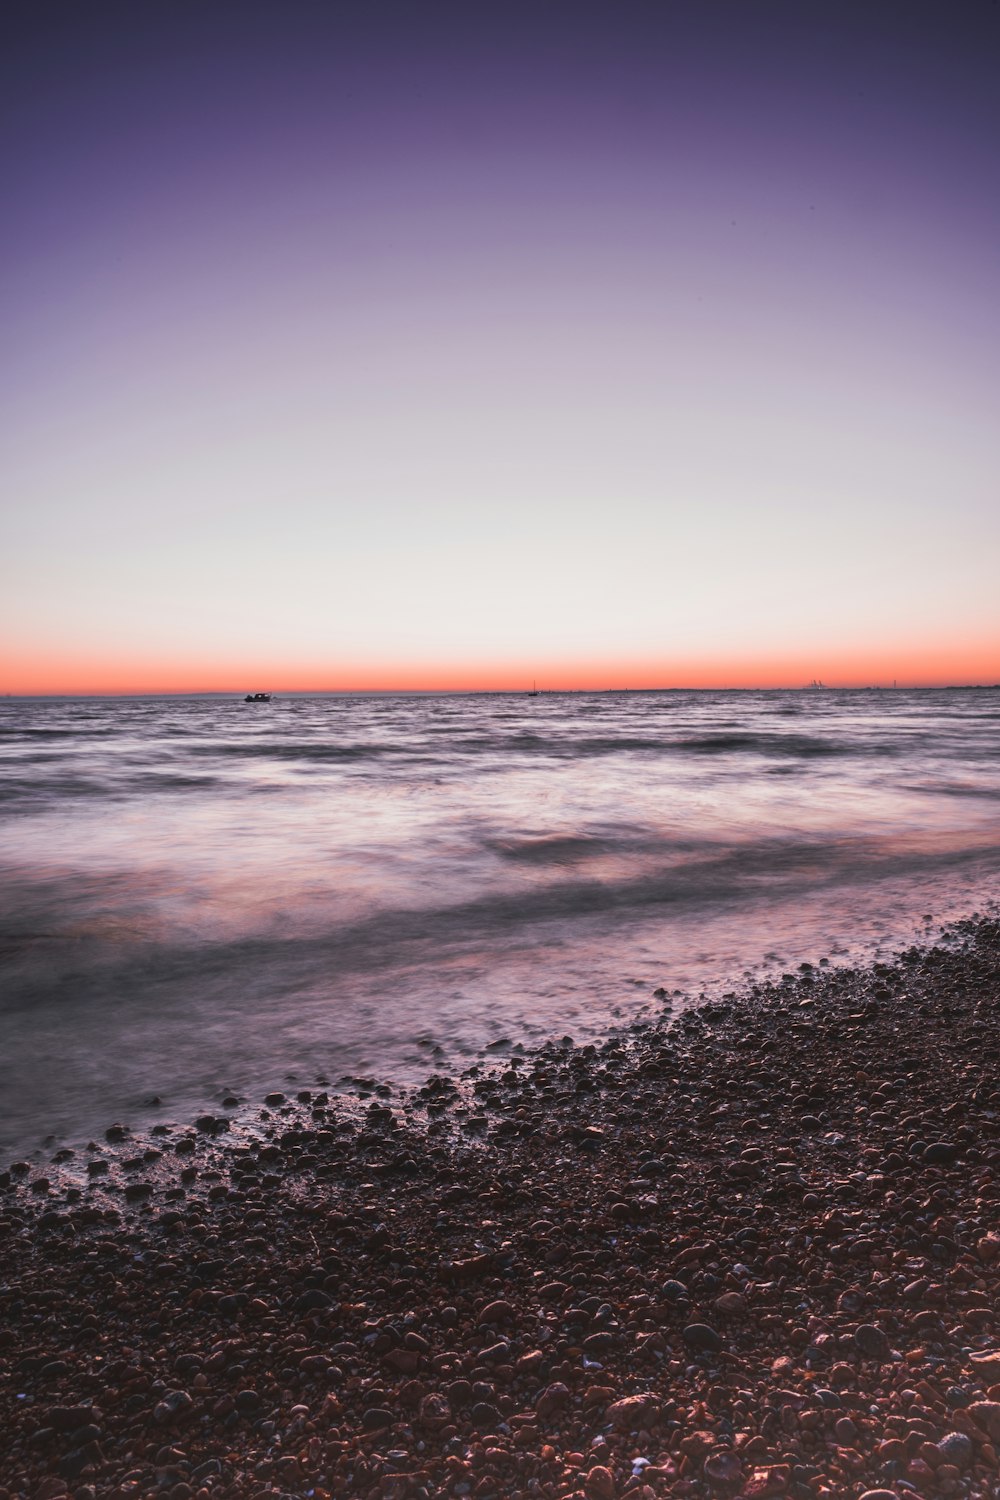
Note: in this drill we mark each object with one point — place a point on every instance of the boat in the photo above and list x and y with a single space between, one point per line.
257 698
534 690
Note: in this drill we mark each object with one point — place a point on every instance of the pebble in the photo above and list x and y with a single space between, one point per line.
600 1484
871 1342
985 1365
723 1470
176 1406
485 1415
552 1399
435 1410
496 1312
350 1303
631 1412
940 1153
701 1336
986 1414
956 1448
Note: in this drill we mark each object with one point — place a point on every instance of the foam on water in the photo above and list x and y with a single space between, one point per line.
201 894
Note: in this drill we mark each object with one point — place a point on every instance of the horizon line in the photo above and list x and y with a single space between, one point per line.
239 694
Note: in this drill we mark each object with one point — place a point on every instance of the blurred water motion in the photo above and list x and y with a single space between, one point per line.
201 894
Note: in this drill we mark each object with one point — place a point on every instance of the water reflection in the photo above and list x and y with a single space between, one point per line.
201 894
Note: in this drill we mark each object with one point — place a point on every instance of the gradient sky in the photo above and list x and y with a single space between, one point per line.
415 345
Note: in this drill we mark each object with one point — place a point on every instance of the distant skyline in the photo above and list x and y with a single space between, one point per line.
444 347
931 672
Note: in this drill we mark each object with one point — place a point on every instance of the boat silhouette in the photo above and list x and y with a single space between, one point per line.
257 698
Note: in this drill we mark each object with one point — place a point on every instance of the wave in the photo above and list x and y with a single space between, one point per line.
806 746
305 750
45 732
51 916
957 789
562 849
49 790
720 743
559 744
169 781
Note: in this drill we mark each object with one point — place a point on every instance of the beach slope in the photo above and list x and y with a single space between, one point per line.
753 1251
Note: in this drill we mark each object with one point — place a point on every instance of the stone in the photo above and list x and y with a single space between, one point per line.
723 1470
404 1361
631 1412
986 1414
312 1300
598 1345
766 1482
496 1312
696 1444
485 1416
600 1484
68 1418
552 1399
986 1365
940 1153
320 1282
51 1489
176 1406
956 1448
871 1342
434 1410
702 1338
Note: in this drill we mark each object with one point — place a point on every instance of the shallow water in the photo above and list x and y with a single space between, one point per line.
203 895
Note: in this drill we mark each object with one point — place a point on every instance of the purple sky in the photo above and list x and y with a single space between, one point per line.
375 337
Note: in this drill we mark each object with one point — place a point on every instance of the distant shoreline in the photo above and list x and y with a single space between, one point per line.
239 693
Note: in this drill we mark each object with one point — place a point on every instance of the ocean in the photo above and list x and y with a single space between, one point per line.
203 896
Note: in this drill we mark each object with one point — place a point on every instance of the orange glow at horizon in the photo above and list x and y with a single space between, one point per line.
936 666
679 374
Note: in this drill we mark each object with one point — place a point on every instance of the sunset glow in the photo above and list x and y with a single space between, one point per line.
456 351
910 667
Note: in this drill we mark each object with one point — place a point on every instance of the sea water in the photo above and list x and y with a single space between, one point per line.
203 895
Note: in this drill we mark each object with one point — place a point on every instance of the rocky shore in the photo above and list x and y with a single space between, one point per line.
751 1251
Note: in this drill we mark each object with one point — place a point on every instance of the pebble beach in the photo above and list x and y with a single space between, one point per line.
749 1250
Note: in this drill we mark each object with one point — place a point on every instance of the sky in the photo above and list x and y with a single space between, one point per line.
430 346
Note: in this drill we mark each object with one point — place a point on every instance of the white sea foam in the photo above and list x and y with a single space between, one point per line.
201 894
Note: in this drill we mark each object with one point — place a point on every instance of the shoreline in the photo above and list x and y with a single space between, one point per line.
753 1250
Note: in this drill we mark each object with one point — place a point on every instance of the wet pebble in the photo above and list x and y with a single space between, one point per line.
871 1342
702 1338
355 1302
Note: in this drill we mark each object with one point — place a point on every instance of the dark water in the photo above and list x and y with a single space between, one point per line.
201 894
